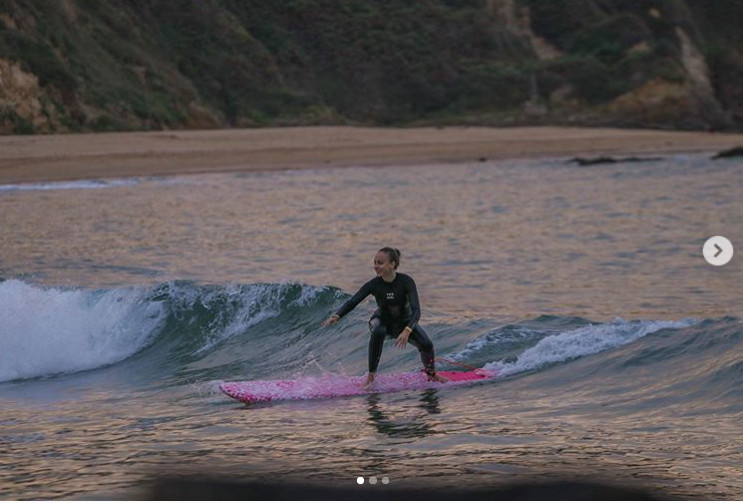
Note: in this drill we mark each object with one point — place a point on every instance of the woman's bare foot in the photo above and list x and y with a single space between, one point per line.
437 378
369 380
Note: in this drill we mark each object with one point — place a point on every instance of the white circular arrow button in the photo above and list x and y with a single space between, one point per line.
718 250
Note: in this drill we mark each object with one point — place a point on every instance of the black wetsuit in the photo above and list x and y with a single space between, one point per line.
398 307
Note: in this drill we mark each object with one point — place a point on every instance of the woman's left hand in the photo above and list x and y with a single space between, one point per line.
402 339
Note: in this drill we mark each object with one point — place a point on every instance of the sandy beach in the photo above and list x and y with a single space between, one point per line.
26 159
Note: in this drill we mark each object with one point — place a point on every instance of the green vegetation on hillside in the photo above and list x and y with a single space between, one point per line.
146 64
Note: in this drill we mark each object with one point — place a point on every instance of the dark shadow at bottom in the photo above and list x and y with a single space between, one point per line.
211 489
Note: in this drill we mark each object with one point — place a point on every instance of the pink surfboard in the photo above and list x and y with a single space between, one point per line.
307 388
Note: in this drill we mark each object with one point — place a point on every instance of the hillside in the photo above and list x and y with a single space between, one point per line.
104 65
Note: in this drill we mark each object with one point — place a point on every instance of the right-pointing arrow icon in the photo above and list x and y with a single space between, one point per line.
718 250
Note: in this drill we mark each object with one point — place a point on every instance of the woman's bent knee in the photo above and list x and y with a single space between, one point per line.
376 328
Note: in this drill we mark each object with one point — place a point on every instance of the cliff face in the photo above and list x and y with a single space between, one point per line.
77 65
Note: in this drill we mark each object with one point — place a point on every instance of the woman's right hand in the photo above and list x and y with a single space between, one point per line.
331 321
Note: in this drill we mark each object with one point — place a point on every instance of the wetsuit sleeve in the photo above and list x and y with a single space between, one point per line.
354 301
415 305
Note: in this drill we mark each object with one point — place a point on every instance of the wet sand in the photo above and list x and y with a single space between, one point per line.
26 159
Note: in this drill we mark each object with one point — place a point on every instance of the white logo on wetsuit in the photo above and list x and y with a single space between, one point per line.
390 295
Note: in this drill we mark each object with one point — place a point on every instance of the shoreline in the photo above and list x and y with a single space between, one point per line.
30 159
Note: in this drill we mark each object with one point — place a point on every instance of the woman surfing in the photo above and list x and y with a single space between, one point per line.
397 314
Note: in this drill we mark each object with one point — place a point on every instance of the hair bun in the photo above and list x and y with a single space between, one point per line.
393 254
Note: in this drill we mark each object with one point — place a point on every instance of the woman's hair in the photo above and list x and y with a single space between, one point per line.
393 254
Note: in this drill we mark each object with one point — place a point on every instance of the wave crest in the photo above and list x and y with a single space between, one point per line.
49 331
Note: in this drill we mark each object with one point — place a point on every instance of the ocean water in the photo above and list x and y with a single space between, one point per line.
125 303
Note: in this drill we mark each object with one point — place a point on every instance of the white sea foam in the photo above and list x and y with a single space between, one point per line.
495 338
249 306
47 331
254 305
580 342
71 185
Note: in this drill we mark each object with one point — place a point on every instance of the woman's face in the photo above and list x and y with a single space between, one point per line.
383 264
